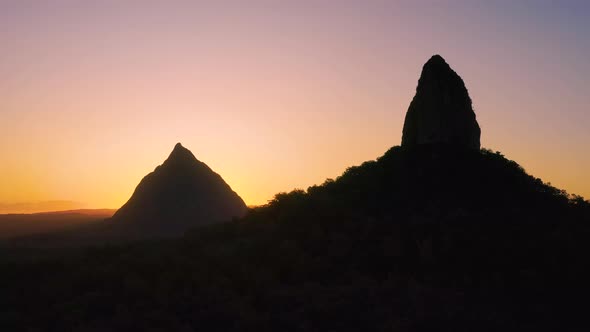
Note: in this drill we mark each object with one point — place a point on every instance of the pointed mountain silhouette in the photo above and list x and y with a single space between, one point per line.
181 193
441 111
435 183
427 237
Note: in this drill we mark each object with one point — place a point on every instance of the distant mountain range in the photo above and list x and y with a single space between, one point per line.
39 207
13 225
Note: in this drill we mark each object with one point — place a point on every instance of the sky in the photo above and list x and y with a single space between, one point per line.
273 95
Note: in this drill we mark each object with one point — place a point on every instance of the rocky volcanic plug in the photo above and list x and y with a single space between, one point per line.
181 193
441 111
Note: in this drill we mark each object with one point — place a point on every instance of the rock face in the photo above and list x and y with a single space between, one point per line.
441 111
179 194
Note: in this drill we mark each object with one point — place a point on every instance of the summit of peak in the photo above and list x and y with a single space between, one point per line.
180 154
441 111
437 68
436 59
178 148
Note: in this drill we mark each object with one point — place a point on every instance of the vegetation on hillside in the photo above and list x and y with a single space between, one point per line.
419 240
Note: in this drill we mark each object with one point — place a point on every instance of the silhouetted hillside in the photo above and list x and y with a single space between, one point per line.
419 240
436 235
181 193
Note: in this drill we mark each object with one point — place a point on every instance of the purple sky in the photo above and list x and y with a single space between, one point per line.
274 95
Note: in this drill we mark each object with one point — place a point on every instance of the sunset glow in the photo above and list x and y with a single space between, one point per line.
272 96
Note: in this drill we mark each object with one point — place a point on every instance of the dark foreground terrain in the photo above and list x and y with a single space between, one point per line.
427 239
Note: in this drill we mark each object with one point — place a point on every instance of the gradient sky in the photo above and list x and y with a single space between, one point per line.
273 95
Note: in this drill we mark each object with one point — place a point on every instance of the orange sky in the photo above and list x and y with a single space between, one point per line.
272 96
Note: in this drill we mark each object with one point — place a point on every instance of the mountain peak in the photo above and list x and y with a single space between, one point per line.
181 193
441 111
436 60
179 149
180 155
